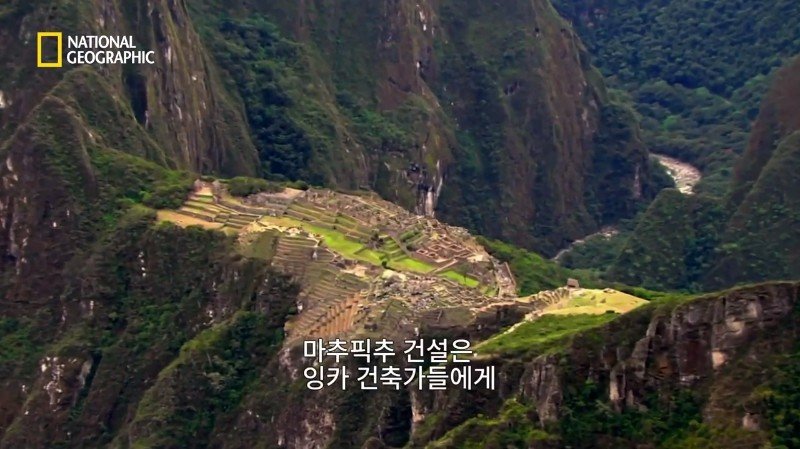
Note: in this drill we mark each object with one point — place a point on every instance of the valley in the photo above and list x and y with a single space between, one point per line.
685 175
366 266
601 197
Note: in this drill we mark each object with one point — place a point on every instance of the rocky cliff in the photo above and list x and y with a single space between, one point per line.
117 331
203 368
78 370
80 143
178 102
470 110
641 380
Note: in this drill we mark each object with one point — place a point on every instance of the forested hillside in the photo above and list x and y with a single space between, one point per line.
695 69
700 242
288 171
465 110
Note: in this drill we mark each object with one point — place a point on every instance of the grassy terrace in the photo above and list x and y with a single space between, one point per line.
595 302
341 233
467 280
409 264
339 242
543 334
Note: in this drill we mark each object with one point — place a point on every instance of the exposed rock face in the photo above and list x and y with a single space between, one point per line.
504 115
541 385
526 134
698 346
179 102
61 128
693 342
114 342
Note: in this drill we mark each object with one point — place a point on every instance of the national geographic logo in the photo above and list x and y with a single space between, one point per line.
104 50
40 43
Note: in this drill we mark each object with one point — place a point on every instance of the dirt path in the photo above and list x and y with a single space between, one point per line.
686 176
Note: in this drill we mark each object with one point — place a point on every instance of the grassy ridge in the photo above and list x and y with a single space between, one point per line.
542 335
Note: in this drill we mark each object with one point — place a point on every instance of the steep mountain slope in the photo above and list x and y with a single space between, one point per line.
672 246
83 143
778 117
120 330
762 237
473 111
695 76
431 105
708 372
77 370
683 242
178 102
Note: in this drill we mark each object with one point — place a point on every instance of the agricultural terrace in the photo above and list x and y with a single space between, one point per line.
362 262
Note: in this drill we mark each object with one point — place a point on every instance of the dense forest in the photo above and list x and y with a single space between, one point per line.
685 66
158 280
701 242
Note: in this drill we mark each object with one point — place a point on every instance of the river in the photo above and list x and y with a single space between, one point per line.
686 177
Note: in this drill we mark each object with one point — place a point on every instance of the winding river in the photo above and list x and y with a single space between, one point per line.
686 177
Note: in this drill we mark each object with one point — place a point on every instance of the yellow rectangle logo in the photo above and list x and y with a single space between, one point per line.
40 36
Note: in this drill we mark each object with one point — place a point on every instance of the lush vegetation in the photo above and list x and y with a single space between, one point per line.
588 417
695 77
782 401
532 272
300 120
673 244
260 62
704 243
511 428
151 286
221 363
18 346
596 253
485 86
762 238
543 334
244 186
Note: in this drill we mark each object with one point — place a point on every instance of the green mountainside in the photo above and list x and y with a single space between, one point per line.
701 243
468 110
695 69
169 234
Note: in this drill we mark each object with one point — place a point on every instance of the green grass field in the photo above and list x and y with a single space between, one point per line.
335 240
461 279
542 334
409 264
595 302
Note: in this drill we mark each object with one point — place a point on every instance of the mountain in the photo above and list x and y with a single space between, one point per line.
684 64
177 106
706 243
762 236
426 108
468 110
171 235
80 145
